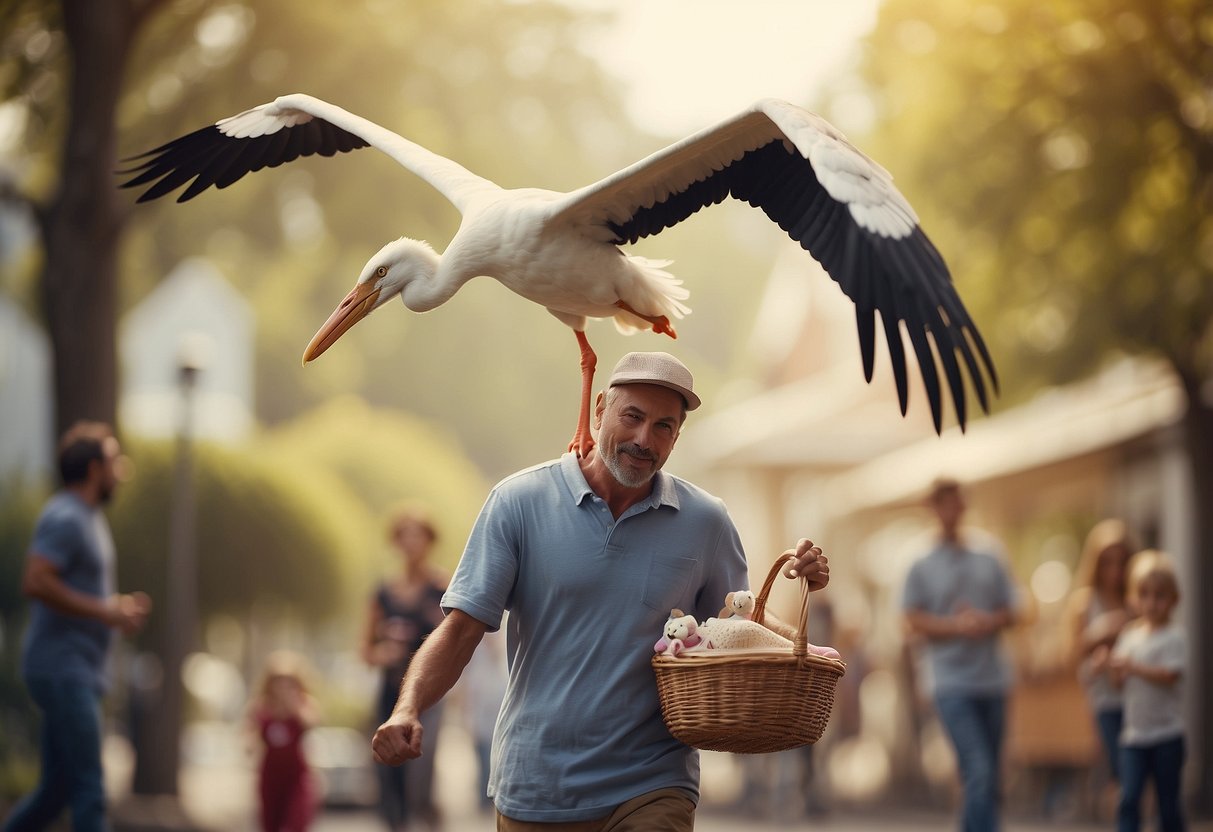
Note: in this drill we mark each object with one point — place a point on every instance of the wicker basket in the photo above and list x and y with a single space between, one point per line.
749 701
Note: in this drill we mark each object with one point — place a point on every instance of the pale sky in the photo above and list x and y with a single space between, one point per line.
690 63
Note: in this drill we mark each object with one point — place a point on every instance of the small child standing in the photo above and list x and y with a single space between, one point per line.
280 714
1147 662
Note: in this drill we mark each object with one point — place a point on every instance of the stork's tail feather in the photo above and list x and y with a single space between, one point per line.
656 290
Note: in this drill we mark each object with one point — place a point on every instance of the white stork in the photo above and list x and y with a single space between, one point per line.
562 250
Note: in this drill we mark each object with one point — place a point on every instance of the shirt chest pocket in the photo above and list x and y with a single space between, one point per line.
668 582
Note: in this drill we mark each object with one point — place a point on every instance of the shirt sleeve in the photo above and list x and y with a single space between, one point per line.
1006 587
56 538
484 580
913 597
729 572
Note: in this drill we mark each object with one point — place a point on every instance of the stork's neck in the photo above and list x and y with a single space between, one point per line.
434 281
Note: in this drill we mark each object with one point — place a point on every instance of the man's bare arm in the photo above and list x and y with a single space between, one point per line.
42 581
434 670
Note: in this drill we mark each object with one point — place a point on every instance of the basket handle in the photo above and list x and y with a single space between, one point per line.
800 644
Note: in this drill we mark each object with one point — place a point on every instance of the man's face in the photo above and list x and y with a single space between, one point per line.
949 507
638 425
111 462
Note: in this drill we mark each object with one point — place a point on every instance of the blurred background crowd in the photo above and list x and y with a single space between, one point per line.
1060 157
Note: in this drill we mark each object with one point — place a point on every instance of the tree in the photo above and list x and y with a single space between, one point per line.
1063 156
269 544
80 223
502 88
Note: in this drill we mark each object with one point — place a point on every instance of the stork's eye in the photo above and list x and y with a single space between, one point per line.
381 271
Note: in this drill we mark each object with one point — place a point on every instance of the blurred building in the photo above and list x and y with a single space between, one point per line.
193 315
25 397
815 451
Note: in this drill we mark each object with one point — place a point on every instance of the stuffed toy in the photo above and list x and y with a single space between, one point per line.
681 634
739 634
739 604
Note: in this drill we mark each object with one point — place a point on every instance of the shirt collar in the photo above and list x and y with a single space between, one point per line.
664 492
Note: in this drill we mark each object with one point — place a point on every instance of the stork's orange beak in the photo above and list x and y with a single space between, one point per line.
356 306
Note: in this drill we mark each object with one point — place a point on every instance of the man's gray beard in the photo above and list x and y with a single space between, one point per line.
623 477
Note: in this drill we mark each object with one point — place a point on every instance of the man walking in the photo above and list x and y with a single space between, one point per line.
958 598
69 578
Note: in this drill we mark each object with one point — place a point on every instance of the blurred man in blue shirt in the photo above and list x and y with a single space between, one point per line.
958 598
69 577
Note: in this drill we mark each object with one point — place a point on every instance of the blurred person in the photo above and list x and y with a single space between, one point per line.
403 611
1097 611
958 598
484 681
74 611
588 555
282 711
784 786
1148 664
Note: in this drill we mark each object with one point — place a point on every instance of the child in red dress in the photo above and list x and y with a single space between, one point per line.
281 713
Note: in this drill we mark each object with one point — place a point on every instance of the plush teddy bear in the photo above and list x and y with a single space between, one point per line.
681 634
739 604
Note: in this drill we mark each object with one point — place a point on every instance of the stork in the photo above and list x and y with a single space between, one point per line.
562 250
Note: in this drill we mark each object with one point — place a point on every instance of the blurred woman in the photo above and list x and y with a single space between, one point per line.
280 714
1098 611
403 610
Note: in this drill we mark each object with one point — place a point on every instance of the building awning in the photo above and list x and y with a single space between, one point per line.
1129 400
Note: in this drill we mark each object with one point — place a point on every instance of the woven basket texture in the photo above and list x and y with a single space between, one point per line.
750 701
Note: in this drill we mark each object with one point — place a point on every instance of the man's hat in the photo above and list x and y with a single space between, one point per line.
659 368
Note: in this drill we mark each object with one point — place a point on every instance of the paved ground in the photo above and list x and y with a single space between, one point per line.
718 822
218 789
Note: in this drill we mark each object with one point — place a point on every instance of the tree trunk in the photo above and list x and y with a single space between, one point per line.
83 221
1198 430
79 289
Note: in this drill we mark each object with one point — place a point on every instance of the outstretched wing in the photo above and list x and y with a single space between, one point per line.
281 131
841 207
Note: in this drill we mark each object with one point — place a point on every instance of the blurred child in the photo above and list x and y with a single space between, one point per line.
1147 663
281 712
1097 611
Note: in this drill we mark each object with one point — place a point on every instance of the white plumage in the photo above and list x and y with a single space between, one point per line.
561 250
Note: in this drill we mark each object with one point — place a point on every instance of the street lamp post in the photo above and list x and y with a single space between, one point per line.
182 578
158 773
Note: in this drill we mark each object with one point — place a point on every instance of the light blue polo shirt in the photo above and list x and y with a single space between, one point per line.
75 537
941 583
580 730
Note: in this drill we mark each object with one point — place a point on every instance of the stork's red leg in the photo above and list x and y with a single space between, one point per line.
583 442
661 324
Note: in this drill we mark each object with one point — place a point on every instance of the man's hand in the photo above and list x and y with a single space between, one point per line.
397 740
128 613
809 564
974 624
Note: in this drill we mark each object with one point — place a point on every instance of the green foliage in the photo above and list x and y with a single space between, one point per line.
266 536
384 459
1060 155
19 508
502 89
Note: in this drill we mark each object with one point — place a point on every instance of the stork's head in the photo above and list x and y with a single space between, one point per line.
389 273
